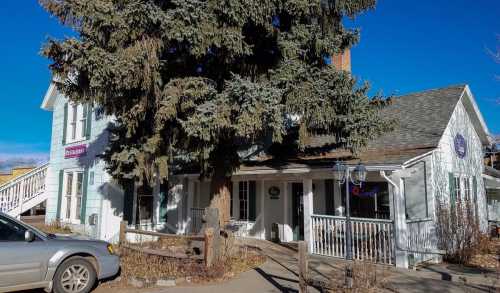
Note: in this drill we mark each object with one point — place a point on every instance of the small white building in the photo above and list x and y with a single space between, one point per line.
435 153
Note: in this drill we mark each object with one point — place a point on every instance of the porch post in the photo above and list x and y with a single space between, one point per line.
285 212
156 201
236 199
308 212
400 225
262 209
190 199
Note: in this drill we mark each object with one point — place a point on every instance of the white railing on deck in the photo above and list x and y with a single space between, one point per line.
371 239
196 220
421 235
22 189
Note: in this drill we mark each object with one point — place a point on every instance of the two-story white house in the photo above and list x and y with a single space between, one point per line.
435 154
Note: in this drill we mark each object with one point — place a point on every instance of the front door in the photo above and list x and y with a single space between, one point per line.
298 211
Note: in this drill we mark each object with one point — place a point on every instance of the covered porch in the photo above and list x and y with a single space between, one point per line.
304 203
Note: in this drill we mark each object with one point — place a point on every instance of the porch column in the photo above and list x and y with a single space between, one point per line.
236 199
189 201
286 229
308 212
400 226
262 209
156 201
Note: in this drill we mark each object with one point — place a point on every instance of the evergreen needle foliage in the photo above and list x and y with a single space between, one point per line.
197 81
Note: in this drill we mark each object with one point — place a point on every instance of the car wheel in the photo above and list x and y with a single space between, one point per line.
75 275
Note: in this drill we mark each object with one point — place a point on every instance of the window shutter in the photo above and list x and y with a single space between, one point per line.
128 201
65 123
453 197
474 190
88 124
59 195
330 199
252 201
163 201
83 212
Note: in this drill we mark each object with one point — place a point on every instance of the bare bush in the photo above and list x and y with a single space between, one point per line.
53 227
458 231
366 277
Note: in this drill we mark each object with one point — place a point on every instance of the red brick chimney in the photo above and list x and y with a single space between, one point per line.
343 61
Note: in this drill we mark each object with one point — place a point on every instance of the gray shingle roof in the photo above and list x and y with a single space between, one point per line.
423 118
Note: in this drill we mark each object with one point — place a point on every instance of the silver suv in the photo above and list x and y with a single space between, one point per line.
32 259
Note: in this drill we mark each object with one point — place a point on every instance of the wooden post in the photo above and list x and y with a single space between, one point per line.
303 265
209 247
122 237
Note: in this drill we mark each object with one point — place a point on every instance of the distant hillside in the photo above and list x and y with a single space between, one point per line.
7 163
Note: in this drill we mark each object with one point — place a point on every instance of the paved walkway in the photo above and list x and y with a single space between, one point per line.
278 274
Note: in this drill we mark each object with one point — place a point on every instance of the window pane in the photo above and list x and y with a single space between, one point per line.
11 231
83 122
416 192
74 110
243 197
145 207
68 207
79 184
69 183
78 208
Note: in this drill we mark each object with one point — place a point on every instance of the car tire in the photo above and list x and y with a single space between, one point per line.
74 275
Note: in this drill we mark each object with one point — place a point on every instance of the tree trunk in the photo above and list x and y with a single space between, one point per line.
220 192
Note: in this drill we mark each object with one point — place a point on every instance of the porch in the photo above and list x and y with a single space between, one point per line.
293 205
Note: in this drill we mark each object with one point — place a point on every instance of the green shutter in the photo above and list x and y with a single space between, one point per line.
128 201
89 122
330 197
59 194
453 198
163 201
65 123
83 212
252 200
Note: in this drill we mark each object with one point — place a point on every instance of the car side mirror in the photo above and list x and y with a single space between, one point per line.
29 236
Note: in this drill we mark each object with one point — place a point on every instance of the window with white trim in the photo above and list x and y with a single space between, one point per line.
73 193
76 123
243 200
467 188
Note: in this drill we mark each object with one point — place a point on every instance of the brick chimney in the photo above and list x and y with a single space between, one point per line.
343 61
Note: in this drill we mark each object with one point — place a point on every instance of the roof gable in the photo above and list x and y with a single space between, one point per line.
50 97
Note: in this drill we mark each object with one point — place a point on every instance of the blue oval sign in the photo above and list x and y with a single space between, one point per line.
460 146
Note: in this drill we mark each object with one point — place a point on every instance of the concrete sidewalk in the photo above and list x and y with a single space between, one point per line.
279 274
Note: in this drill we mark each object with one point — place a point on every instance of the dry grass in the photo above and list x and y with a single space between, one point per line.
485 256
151 268
53 228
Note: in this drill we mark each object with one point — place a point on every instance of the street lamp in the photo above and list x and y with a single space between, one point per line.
341 173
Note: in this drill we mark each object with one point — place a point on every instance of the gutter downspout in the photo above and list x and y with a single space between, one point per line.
400 226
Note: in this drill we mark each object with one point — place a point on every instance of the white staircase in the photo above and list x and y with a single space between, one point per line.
23 192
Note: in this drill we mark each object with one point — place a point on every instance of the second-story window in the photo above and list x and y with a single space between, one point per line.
76 129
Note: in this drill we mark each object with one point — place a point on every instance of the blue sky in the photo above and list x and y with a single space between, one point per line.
405 46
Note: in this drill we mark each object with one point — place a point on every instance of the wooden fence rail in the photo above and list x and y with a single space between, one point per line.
207 238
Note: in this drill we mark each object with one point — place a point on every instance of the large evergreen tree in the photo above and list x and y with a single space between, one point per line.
195 82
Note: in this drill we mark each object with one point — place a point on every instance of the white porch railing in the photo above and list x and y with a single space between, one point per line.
23 192
371 239
421 235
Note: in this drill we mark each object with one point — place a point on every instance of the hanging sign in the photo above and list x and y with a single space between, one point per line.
364 191
274 192
76 151
460 146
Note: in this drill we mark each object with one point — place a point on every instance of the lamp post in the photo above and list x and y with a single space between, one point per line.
342 174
